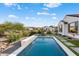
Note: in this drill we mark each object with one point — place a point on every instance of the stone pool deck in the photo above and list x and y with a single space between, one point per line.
76 49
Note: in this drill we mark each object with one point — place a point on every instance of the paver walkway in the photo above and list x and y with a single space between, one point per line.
76 49
69 44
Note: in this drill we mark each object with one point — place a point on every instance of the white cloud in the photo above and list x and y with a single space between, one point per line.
30 18
54 17
12 16
46 13
45 8
13 4
42 13
10 4
53 14
52 5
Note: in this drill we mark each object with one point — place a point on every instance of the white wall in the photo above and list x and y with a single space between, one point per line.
63 28
60 23
28 40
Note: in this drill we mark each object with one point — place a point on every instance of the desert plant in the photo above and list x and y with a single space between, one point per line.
13 37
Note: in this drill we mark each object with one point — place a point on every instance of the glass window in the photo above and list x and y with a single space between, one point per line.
73 27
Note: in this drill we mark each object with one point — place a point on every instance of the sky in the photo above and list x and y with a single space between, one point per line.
36 14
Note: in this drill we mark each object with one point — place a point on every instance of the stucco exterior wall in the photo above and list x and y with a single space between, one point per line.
60 23
64 28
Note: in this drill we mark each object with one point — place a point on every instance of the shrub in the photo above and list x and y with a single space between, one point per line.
13 37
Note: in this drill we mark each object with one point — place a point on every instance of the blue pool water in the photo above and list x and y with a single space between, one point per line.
43 46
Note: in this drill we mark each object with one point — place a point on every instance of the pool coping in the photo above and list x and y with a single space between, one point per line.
16 52
66 49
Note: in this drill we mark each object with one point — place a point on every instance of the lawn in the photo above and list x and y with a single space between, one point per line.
73 41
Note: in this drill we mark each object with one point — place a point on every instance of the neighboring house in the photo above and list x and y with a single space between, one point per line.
49 28
69 26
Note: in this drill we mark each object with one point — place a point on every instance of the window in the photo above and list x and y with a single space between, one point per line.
60 28
73 27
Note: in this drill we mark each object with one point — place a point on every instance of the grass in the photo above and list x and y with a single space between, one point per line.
75 42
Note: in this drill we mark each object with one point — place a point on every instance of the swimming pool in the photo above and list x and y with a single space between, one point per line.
43 46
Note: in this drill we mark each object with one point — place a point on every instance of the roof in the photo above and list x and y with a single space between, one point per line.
61 21
73 15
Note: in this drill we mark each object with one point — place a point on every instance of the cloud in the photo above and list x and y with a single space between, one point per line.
53 14
19 7
13 5
42 13
52 5
45 8
30 18
10 4
54 17
46 13
12 16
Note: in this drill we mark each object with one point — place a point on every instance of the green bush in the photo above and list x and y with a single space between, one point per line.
25 33
13 37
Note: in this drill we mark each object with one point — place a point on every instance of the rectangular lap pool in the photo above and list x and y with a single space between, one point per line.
43 46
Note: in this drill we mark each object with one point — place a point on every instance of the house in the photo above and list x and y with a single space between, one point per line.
50 28
69 26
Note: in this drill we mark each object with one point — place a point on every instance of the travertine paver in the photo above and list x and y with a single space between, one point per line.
76 49
69 44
